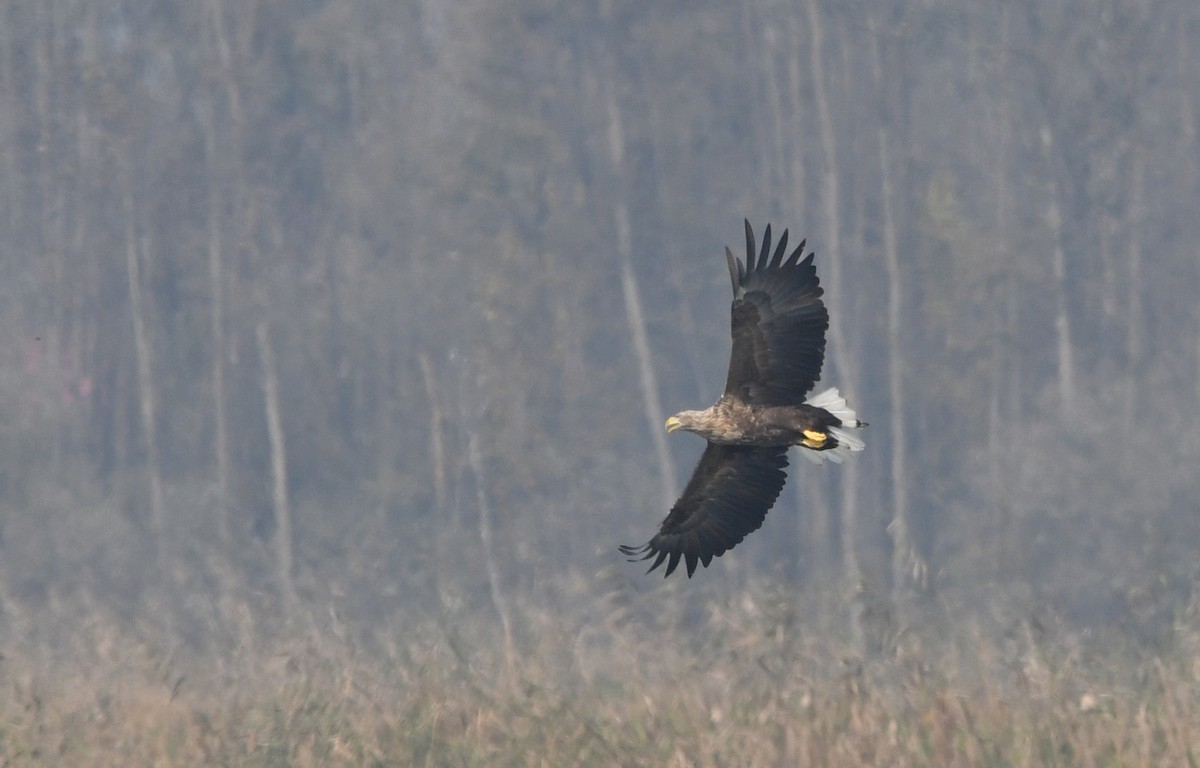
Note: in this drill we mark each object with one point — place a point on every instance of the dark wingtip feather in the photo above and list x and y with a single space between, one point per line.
671 564
777 259
735 269
766 247
794 259
635 554
749 246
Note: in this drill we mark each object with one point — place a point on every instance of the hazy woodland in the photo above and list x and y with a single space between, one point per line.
340 336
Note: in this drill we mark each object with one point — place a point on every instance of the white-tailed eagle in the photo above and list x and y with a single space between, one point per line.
778 324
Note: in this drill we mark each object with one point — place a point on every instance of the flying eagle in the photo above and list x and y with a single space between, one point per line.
779 324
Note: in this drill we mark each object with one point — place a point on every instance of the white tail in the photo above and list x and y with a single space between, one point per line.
832 401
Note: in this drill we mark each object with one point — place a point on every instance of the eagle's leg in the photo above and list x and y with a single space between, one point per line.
814 439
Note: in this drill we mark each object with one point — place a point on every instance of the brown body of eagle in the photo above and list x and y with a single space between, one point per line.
778 326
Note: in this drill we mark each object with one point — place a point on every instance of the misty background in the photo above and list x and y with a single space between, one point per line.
363 318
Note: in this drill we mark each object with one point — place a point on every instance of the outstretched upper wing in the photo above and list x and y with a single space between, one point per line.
728 497
778 324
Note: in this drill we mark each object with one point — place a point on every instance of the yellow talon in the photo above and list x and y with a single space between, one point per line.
813 439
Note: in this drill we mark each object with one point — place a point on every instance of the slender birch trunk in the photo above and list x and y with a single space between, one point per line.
1187 134
795 156
13 202
279 477
216 248
437 451
781 140
145 376
47 61
1064 345
651 405
662 133
475 457
1005 380
760 139
818 526
907 565
830 198
225 191
1133 338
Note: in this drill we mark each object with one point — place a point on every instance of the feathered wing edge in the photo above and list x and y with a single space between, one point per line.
739 271
728 497
778 322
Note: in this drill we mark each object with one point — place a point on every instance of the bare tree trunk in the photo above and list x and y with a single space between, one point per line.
475 457
1009 386
1133 338
815 521
759 139
664 133
279 478
1062 320
1006 369
830 184
651 405
12 203
217 325
780 138
907 565
228 72
830 199
226 190
51 261
795 154
1187 134
437 451
146 393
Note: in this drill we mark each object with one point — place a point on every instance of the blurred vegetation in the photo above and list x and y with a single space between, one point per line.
322 411
758 688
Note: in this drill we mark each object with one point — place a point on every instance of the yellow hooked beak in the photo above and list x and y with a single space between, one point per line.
673 424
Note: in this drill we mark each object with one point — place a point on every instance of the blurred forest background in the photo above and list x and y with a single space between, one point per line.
345 331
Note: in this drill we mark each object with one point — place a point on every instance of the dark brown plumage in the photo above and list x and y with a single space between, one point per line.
778 324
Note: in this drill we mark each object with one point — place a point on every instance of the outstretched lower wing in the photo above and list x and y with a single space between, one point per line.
728 497
778 324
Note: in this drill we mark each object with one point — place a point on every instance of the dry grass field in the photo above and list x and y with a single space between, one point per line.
756 687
